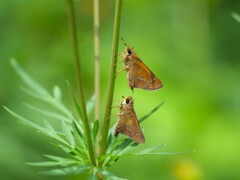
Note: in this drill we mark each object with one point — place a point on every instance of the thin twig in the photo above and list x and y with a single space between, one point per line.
79 77
108 109
96 57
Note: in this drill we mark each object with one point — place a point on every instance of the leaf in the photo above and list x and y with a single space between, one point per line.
151 112
160 153
38 91
236 16
151 149
46 163
28 80
49 113
54 134
74 101
58 161
68 134
79 135
90 105
67 170
57 94
25 121
48 131
110 175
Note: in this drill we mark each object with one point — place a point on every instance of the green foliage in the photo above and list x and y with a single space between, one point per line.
71 137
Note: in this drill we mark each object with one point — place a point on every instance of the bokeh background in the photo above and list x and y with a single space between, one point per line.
191 45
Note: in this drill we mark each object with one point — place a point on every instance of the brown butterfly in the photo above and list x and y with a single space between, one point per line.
138 74
128 122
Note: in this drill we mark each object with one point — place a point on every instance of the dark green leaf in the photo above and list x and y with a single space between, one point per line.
79 136
151 112
74 100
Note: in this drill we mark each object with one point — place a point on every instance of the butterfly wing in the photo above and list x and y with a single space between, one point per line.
128 125
140 76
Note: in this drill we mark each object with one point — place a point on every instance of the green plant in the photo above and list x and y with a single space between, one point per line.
78 136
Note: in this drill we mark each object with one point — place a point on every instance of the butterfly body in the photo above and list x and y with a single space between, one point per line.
128 123
138 74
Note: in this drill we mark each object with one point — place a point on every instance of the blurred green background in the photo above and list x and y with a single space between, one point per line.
191 45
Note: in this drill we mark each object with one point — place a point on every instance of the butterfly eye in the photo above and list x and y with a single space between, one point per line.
129 51
127 101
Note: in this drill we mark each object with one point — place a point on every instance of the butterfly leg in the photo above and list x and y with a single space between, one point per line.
120 61
123 69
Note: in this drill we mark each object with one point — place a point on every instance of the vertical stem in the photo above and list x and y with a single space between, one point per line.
108 109
82 101
96 57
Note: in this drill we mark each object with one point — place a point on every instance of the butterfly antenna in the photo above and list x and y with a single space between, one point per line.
124 42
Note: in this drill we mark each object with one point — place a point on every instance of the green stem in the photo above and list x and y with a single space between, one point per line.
96 57
82 101
108 109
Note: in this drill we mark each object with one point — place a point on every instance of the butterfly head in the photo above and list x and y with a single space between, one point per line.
129 54
128 101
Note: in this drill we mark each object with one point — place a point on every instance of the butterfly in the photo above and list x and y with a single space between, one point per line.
128 123
138 74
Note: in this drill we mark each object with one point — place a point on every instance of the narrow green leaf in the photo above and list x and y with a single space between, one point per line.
54 134
25 121
151 149
36 90
51 101
68 133
28 80
46 163
50 129
74 100
66 162
160 153
79 135
124 144
67 170
110 175
90 105
61 159
57 94
36 95
50 132
236 16
47 113
151 112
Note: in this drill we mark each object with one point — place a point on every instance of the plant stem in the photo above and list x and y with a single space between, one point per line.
96 58
82 101
108 109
